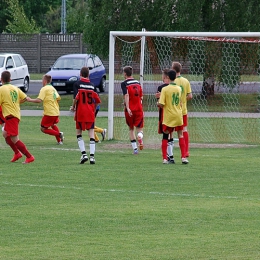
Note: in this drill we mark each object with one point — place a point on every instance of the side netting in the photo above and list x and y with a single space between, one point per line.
223 69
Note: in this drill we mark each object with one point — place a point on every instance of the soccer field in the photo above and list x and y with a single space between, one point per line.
127 207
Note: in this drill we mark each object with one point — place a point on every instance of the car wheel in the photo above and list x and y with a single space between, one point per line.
25 87
102 85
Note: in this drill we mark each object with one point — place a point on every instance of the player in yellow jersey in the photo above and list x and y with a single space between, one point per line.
10 99
166 82
170 101
50 97
186 95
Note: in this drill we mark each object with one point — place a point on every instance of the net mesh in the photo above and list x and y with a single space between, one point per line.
224 77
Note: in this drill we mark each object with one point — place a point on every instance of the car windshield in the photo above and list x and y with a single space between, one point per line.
69 64
2 59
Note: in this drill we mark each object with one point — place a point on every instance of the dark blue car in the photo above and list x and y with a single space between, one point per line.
66 70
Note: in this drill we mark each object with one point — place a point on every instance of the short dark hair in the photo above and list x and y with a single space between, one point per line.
84 72
6 76
128 70
172 75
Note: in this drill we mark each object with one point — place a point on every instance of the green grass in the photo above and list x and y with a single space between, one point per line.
126 206
36 76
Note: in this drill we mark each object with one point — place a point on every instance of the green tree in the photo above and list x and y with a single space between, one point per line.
37 10
76 15
52 20
19 22
3 15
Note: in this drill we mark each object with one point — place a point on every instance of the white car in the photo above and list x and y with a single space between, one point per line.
18 68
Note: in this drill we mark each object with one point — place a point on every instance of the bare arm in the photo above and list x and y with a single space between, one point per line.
35 100
189 96
73 107
126 97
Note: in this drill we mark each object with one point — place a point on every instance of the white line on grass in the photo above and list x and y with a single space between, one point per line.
39 185
132 191
77 150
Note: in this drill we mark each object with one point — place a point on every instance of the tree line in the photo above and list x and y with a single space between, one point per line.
96 18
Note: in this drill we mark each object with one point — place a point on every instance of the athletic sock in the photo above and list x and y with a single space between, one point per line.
55 128
134 145
11 144
22 148
81 143
52 132
186 138
92 146
170 146
164 148
182 147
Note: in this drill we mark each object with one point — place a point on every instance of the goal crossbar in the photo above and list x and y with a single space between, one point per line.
142 34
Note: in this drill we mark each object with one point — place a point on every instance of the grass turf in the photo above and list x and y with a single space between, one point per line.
126 206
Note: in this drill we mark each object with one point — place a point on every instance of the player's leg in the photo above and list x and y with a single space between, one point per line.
182 146
60 138
11 134
170 147
17 154
164 147
129 122
186 134
92 145
81 144
101 131
139 123
133 140
47 124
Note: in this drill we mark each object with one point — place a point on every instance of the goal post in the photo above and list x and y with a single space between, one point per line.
223 68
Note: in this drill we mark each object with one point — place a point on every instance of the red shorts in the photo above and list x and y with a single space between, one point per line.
12 126
48 121
178 128
185 120
136 120
2 119
85 125
167 129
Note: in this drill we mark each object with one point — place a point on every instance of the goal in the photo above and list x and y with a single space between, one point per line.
223 69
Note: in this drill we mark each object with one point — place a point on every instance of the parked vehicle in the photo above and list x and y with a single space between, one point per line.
18 68
66 70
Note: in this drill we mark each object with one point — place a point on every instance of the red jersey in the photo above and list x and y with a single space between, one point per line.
87 100
135 91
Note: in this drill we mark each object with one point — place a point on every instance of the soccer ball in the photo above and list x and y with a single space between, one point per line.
140 135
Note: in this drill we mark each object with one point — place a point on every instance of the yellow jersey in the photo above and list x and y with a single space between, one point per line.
50 97
186 89
10 98
170 98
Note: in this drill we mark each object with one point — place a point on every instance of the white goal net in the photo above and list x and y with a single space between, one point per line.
223 69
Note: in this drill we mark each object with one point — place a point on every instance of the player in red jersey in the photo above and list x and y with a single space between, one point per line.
134 115
166 82
10 99
84 105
